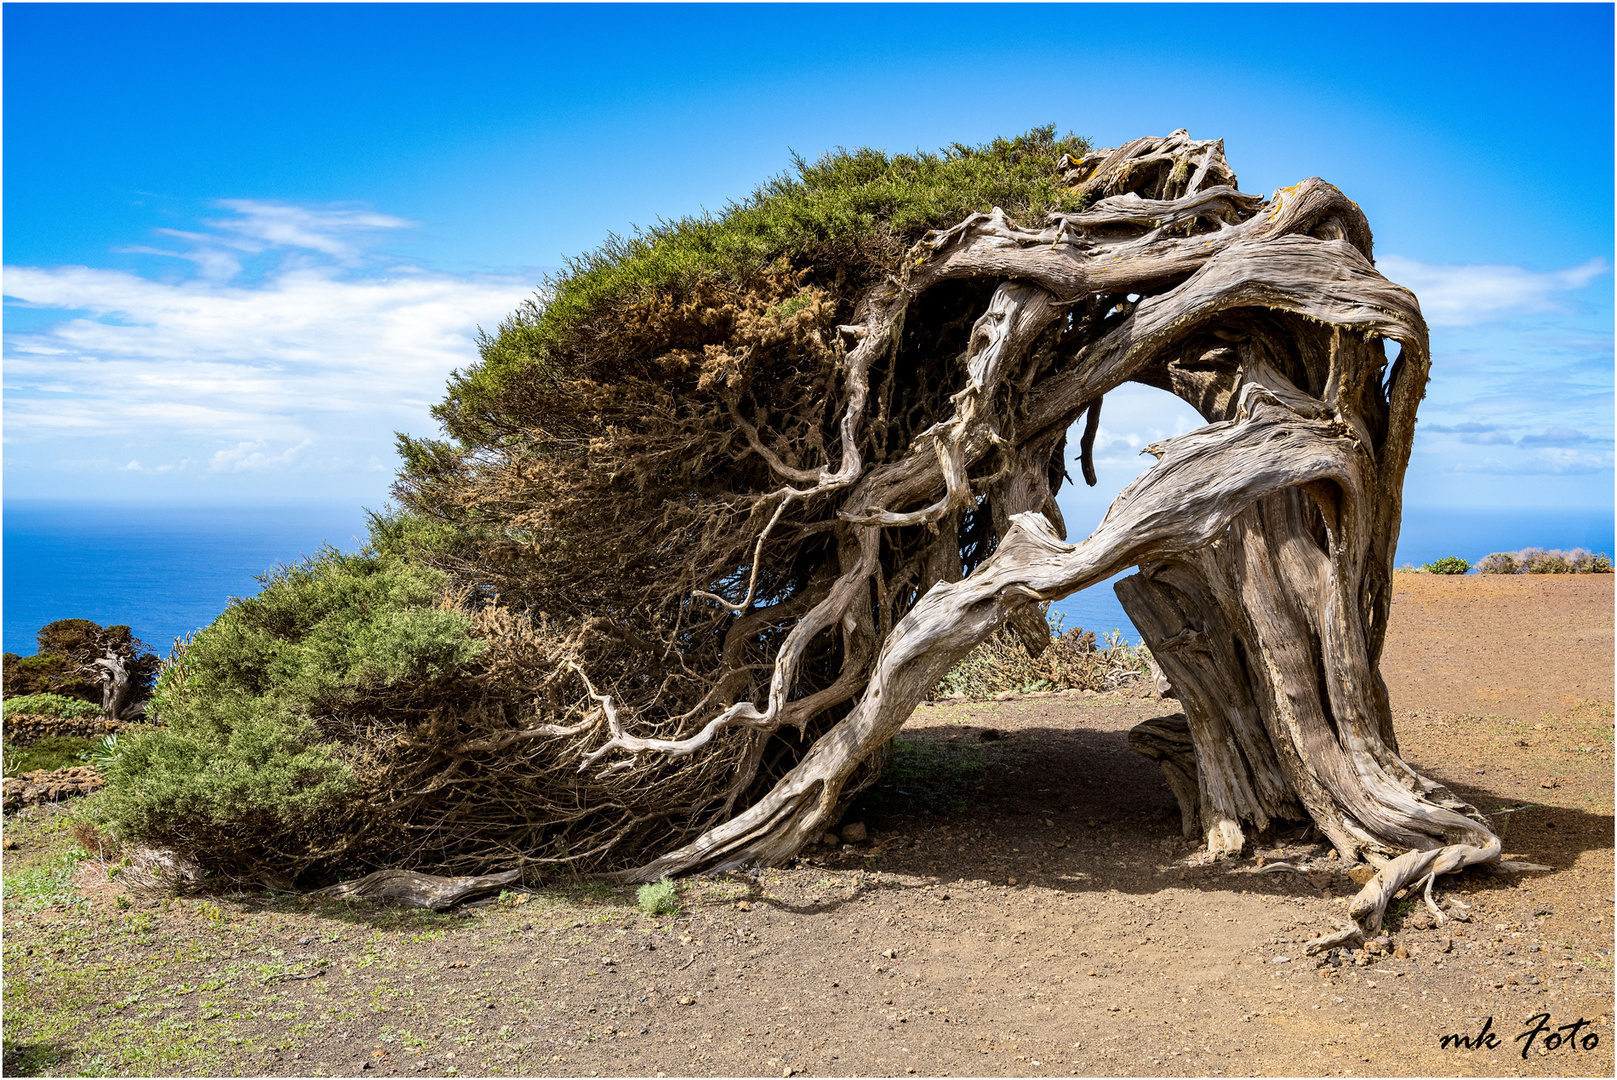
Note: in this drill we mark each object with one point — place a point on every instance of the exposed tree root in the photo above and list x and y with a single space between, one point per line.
419 890
779 515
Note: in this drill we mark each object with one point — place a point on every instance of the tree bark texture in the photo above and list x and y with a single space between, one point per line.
113 675
1264 540
410 889
852 551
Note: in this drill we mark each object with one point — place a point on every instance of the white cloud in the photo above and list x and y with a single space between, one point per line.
326 347
1471 433
1453 295
253 457
258 225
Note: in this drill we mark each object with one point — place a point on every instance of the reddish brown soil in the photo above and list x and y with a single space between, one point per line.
1517 646
1025 906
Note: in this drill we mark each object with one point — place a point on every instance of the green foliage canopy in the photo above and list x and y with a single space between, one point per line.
66 648
849 215
51 705
593 492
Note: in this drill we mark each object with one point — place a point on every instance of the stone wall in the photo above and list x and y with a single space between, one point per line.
24 728
42 785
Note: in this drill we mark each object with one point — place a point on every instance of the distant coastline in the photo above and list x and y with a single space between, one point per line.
166 571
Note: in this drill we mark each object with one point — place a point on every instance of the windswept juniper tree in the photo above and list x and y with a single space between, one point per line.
727 502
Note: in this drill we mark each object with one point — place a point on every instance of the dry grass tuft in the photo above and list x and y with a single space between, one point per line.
1540 561
1073 660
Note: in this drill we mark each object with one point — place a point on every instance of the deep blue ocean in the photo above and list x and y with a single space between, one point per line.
167 572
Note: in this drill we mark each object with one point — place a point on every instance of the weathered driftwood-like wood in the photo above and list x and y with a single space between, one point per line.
1264 540
1166 740
411 889
113 675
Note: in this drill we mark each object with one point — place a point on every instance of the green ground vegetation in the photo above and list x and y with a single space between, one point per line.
658 898
51 752
198 984
51 705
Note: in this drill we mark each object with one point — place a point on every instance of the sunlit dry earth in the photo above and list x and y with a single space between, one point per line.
1024 906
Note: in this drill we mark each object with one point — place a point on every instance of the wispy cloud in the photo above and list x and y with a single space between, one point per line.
1561 437
1456 295
1549 461
329 345
1521 389
253 457
1473 433
257 226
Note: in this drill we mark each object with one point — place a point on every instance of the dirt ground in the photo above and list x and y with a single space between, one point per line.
1024 906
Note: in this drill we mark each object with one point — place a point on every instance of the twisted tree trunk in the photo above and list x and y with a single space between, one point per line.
1264 540
113 675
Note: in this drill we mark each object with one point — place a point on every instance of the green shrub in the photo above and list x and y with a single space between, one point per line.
232 761
658 898
51 752
257 705
51 705
1452 564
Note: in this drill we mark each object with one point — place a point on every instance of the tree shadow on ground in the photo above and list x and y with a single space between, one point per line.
31 1058
1071 808
1076 809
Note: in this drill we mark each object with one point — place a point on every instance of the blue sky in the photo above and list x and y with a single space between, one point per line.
244 244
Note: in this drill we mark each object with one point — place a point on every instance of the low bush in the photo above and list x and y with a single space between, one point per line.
356 714
1073 660
51 705
1540 561
51 752
658 898
269 710
1452 564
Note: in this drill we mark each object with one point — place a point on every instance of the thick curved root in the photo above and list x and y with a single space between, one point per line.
1370 905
